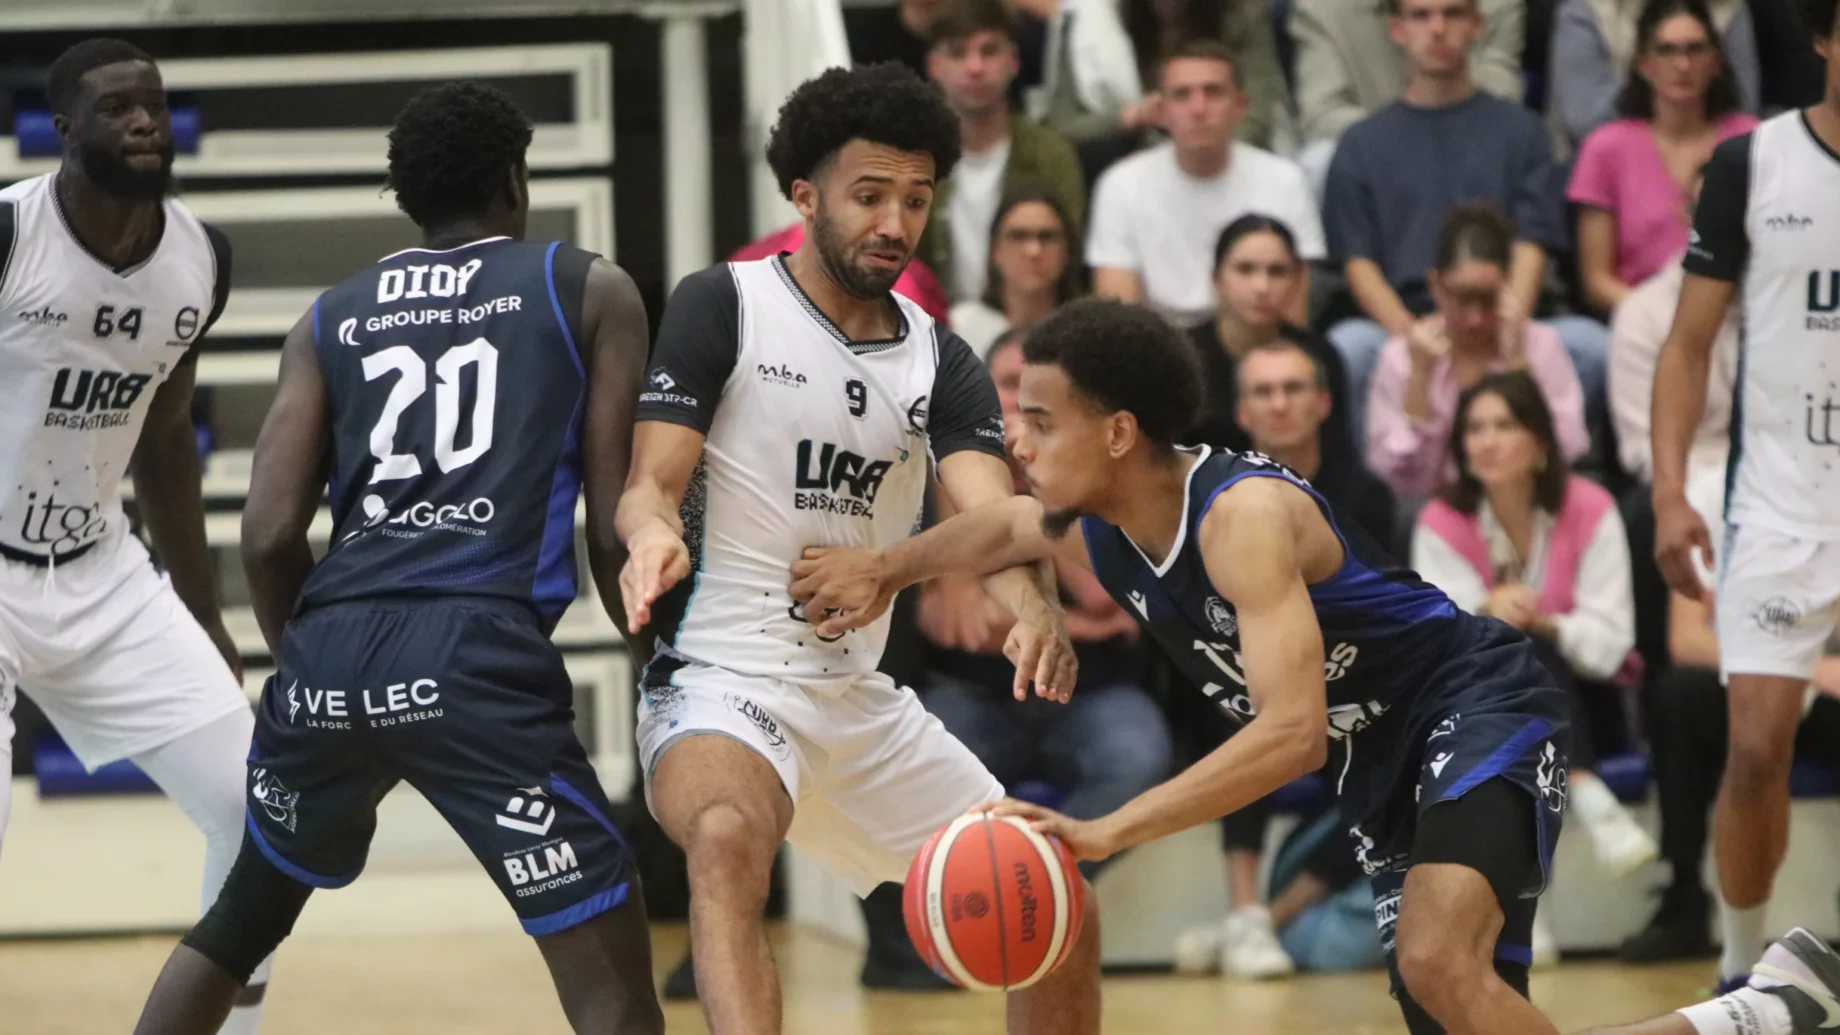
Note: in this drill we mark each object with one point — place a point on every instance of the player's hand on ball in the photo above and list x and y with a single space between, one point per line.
846 585
1679 530
656 560
1042 652
1086 839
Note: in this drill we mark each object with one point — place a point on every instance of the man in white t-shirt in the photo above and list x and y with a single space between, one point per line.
1157 215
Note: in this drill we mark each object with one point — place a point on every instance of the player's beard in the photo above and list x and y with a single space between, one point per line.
867 285
108 170
1057 523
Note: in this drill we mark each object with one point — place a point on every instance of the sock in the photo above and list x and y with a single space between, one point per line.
1744 1012
1592 801
1743 934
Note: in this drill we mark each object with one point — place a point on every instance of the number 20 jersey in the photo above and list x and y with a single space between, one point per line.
456 390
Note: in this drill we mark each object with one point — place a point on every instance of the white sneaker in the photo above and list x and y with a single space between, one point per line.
1198 948
1621 845
1252 949
1545 946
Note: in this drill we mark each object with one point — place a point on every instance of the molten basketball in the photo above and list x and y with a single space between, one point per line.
993 905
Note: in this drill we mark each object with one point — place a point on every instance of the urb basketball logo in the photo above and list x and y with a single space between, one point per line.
830 470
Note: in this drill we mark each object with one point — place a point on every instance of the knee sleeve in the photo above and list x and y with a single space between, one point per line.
255 910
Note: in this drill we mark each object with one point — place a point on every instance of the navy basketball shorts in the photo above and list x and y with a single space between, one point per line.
1485 744
468 702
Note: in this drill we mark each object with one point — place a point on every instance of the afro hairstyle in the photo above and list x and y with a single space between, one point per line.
64 80
452 148
883 103
1123 357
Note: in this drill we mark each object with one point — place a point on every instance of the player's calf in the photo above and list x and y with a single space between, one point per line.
253 914
1449 941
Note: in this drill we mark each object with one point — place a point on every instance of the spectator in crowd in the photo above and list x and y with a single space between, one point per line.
1633 175
890 32
1688 730
1158 214
1397 173
1521 539
1032 269
1640 326
1159 28
973 59
1283 404
917 282
1597 42
1092 92
1473 332
1321 902
1258 276
1348 67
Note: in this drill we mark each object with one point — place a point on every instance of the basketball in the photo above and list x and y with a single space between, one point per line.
991 904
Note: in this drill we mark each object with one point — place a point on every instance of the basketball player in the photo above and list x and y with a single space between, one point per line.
1452 737
1768 223
457 396
107 285
794 401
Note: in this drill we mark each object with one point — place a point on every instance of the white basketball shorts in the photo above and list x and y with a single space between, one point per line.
1777 601
103 645
871 774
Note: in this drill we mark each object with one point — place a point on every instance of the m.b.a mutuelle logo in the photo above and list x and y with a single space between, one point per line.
831 478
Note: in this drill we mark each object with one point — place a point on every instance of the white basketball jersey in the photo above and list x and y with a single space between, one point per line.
811 440
1784 471
83 349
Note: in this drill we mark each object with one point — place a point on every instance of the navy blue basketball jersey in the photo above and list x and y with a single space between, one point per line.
1384 629
456 390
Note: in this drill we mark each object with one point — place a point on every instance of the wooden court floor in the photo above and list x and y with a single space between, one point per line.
459 985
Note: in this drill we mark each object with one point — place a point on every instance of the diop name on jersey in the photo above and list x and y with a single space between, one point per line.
428 317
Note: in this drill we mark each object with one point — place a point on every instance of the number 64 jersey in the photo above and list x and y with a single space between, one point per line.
84 347
456 390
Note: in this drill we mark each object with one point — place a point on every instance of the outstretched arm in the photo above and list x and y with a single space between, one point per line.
613 321
286 482
1038 643
1249 544
664 458
858 584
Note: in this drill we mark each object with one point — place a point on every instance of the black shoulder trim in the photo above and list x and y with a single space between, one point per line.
9 236
220 262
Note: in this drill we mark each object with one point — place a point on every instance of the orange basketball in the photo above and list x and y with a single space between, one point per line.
993 905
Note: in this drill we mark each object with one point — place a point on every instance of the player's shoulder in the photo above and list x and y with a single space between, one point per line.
1231 489
32 187
712 286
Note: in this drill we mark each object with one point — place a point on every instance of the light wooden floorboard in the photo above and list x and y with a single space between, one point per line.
461 985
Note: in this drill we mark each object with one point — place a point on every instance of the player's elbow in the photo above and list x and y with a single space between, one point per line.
1313 749
265 537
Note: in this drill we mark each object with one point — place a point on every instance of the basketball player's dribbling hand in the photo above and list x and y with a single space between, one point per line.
656 560
1043 655
1679 530
1086 839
